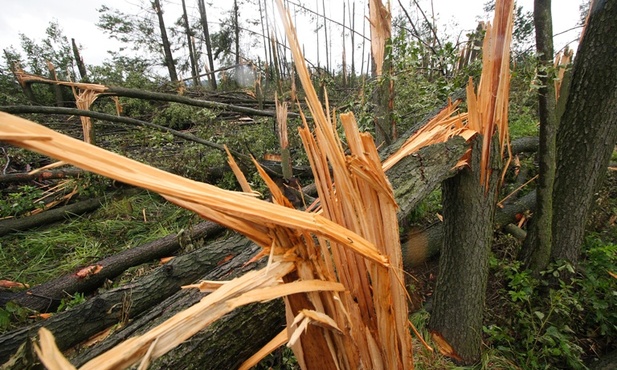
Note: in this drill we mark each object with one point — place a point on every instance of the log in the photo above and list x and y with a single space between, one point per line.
419 246
25 109
124 303
223 345
40 176
46 297
47 217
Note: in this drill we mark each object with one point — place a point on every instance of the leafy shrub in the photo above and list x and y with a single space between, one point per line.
21 201
549 320
178 115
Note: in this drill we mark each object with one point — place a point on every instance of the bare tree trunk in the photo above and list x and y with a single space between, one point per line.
587 132
169 59
237 32
325 31
204 24
83 73
344 56
47 296
537 246
352 18
54 215
189 41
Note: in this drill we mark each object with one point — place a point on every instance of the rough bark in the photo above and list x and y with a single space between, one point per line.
124 303
468 212
81 67
587 132
169 59
419 246
204 25
417 175
189 41
47 217
536 251
220 343
47 296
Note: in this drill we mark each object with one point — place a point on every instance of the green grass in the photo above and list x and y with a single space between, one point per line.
42 254
525 124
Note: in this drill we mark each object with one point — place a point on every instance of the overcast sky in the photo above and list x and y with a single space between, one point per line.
78 19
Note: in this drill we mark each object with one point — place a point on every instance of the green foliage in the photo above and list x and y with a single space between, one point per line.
427 207
549 319
130 72
71 301
137 32
21 201
12 314
55 48
181 116
599 289
281 359
37 256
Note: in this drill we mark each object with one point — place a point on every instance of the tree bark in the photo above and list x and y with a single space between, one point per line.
204 25
419 246
47 296
47 217
587 132
215 340
536 251
169 59
237 32
12 178
124 303
468 212
81 67
189 37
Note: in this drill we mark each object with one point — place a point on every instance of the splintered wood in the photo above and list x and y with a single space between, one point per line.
339 269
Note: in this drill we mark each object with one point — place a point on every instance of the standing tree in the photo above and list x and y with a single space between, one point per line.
537 249
139 34
189 40
204 25
169 59
587 131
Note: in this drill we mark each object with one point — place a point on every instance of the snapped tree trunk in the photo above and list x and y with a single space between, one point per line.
536 250
468 212
587 132
80 62
169 59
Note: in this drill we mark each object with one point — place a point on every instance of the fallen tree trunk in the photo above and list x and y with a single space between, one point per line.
425 244
47 217
46 297
124 303
105 310
25 109
223 345
40 176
